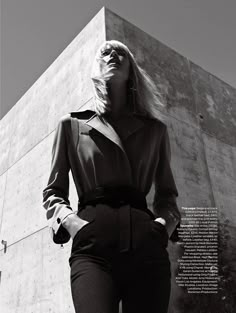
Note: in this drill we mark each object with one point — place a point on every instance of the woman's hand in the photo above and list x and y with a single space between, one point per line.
73 224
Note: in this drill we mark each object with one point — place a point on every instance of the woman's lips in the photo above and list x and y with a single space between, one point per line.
113 62
113 65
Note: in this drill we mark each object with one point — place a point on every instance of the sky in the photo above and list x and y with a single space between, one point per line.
35 32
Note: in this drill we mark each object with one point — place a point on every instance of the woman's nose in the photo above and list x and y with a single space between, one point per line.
113 53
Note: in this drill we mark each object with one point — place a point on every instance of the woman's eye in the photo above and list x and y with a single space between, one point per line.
108 51
105 52
121 52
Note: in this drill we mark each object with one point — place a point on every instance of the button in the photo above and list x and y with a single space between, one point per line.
58 220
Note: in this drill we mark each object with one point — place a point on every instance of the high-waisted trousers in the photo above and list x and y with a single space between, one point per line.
120 255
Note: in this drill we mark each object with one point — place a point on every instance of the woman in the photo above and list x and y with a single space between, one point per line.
115 151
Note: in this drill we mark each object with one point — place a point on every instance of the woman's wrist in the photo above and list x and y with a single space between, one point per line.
67 219
73 224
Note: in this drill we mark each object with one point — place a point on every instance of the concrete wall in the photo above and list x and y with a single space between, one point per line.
200 114
35 271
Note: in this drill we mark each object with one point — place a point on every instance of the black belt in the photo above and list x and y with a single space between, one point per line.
118 197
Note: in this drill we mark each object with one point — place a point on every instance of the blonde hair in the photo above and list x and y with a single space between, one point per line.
143 95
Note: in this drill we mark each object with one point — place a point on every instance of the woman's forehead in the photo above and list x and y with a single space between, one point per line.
106 45
114 45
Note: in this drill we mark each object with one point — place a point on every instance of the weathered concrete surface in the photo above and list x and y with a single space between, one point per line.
5 140
26 135
23 195
199 109
2 195
34 269
216 102
220 158
35 276
56 294
23 213
22 276
193 182
168 69
189 166
63 87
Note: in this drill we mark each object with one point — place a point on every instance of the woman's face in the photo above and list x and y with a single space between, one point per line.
114 63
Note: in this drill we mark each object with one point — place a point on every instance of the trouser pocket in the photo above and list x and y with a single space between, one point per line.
84 238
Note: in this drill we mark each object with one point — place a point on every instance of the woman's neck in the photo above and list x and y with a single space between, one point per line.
119 100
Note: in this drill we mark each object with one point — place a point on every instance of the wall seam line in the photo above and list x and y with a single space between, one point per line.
25 237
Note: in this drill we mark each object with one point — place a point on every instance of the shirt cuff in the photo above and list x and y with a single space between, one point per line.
62 214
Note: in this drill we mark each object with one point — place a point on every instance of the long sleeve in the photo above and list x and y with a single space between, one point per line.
55 195
165 189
